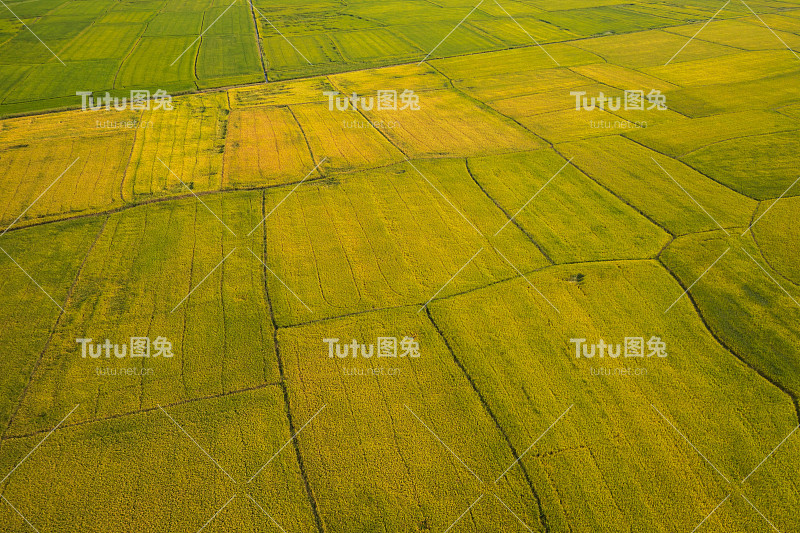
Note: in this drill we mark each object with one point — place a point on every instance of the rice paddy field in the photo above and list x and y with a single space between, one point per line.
399 266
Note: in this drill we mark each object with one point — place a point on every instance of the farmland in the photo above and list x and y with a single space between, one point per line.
269 224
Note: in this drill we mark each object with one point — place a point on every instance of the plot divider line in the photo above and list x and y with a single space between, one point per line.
198 445
534 443
690 196
513 513
37 198
770 29
526 33
282 35
690 443
288 195
204 32
449 280
534 196
526 279
287 443
37 446
698 33
30 30
279 279
695 281
770 277
202 280
451 32
443 444
770 453
771 206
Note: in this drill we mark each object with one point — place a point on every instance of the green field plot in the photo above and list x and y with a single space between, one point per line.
464 40
383 238
376 44
29 315
634 467
573 219
102 41
686 136
777 236
227 60
448 124
742 305
265 146
310 54
189 139
24 48
345 138
639 181
177 486
509 32
155 63
761 167
127 17
83 7
742 34
650 48
163 251
230 20
180 23
604 19
385 456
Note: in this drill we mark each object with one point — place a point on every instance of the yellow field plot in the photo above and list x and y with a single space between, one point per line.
177 487
745 66
383 238
551 101
188 139
623 78
612 448
92 169
18 131
572 125
627 169
344 137
501 86
448 124
786 22
264 146
778 236
513 61
383 451
650 48
412 77
687 136
572 218
741 34
280 93
143 279
29 314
